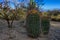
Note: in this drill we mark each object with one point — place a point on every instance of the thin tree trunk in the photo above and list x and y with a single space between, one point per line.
8 24
12 22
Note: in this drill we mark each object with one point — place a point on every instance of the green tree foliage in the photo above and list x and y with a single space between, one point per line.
7 14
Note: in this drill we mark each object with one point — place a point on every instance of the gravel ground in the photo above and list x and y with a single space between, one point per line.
19 33
54 33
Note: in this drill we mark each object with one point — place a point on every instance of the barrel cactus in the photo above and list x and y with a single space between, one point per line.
33 25
45 24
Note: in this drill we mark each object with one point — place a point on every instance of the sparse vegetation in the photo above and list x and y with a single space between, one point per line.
27 15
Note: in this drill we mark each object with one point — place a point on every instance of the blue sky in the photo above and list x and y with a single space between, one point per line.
52 4
49 4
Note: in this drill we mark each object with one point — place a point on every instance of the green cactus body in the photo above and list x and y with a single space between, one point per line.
45 24
33 25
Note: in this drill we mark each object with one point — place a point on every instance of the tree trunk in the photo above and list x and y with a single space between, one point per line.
12 23
9 26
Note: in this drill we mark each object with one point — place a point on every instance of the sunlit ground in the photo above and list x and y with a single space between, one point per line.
18 32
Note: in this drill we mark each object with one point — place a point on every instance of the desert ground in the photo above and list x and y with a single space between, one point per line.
18 32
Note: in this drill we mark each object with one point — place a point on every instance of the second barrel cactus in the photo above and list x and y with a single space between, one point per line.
45 24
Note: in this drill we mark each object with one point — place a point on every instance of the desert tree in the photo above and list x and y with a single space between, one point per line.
6 13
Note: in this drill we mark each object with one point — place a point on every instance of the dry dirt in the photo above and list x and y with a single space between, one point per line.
18 32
